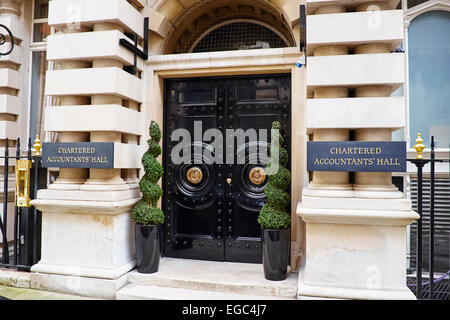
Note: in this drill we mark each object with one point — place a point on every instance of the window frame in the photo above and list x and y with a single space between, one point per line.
409 14
40 46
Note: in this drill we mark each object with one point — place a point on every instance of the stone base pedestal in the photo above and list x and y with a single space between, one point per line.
83 286
316 292
356 253
87 246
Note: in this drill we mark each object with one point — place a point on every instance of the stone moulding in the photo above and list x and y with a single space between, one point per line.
360 217
87 207
88 12
350 4
356 70
263 57
93 118
9 78
90 46
371 112
353 28
95 81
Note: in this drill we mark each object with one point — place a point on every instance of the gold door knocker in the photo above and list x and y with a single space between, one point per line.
194 175
257 175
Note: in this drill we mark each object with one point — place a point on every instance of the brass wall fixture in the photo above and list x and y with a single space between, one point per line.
194 175
257 176
23 169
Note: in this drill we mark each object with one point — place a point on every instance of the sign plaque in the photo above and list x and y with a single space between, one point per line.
98 155
357 156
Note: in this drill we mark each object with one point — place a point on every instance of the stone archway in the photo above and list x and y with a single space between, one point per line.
200 18
177 23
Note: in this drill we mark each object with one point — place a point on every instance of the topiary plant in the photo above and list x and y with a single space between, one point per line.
146 211
273 214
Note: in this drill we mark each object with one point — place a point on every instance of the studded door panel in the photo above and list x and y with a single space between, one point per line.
212 208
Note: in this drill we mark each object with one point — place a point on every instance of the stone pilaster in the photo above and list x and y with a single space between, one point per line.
106 179
324 183
374 181
72 178
87 232
355 239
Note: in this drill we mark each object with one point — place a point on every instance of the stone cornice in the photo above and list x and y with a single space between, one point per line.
227 59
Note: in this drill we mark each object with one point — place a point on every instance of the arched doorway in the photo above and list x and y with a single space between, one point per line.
278 57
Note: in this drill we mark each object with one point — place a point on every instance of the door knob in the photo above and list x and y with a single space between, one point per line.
229 180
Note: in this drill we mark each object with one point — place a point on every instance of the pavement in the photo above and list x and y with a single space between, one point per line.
10 293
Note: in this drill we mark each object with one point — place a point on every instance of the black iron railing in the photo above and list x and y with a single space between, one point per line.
24 249
427 288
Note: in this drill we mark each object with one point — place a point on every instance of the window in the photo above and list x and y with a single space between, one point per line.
239 36
41 29
429 77
39 66
429 93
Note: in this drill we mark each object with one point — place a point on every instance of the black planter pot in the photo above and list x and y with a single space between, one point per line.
147 248
275 255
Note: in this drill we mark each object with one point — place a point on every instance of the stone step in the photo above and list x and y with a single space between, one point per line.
228 278
134 291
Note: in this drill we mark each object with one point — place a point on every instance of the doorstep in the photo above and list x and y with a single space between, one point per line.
186 279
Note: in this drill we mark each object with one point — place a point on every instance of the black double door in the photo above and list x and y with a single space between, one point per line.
211 202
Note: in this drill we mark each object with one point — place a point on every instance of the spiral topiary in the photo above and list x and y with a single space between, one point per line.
146 211
273 214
